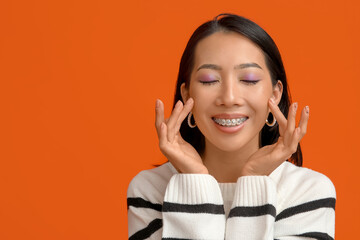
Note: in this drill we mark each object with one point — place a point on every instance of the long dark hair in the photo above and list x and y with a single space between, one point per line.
234 23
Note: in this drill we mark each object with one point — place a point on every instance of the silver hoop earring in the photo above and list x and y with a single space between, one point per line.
272 123
189 121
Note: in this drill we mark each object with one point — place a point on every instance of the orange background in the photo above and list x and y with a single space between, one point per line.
79 81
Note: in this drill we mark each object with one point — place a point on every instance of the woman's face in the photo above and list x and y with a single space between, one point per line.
231 86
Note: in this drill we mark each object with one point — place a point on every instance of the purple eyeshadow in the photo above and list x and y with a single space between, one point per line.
250 77
207 78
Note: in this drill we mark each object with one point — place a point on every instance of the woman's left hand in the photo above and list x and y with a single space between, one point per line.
268 158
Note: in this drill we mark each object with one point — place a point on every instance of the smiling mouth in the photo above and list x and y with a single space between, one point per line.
226 122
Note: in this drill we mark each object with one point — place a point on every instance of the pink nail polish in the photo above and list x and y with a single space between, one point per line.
295 106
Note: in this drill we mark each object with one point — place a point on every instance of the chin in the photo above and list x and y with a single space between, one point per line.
228 146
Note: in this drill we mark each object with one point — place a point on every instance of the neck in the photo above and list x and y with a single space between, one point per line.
225 166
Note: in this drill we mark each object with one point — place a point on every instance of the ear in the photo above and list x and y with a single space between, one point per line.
184 92
277 92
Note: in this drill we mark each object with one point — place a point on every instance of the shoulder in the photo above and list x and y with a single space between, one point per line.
151 184
297 185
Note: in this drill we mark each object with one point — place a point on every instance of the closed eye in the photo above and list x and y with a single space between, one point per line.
209 82
250 82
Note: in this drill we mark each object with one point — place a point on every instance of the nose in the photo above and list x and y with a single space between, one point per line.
229 94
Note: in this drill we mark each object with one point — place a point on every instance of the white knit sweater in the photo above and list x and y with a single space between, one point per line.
291 203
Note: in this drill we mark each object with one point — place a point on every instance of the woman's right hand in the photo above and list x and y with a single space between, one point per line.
180 153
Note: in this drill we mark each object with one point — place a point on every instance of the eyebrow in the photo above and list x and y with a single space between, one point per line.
239 66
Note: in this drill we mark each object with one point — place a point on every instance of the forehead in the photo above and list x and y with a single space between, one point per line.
227 49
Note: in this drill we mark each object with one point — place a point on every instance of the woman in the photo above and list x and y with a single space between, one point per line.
234 169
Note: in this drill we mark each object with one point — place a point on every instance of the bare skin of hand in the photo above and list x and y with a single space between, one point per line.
268 158
186 159
180 153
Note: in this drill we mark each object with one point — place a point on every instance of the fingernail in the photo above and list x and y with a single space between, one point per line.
295 106
157 103
272 101
307 109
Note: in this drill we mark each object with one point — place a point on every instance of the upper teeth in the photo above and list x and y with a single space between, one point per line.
230 122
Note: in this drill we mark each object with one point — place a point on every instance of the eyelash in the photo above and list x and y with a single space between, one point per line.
248 82
208 82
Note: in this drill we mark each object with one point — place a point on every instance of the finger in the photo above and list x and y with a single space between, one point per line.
300 131
292 147
185 111
289 132
304 121
172 121
162 137
279 116
159 114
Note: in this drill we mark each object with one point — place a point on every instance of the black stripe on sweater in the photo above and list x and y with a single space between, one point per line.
148 231
141 203
176 239
193 208
306 207
316 235
253 211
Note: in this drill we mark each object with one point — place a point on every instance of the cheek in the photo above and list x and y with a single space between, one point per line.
259 101
201 104
201 98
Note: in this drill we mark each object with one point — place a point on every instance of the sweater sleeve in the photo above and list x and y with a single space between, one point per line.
307 210
252 215
188 206
144 203
193 208
298 204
